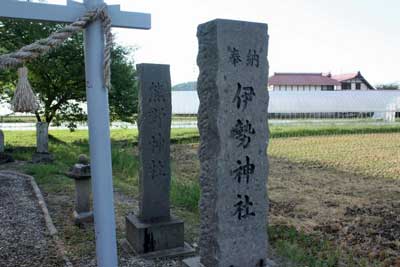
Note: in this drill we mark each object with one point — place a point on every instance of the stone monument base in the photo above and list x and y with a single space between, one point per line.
42 158
195 262
83 217
160 239
192 262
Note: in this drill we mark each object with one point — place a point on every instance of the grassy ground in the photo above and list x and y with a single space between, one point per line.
5 119
366 154
323 130
334 198
32 119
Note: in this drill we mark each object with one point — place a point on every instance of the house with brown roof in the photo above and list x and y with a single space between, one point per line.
353 81
289 81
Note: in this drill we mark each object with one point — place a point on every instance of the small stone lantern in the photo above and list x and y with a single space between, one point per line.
80 172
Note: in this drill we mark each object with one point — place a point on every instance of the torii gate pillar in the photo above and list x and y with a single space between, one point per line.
97 100
100 144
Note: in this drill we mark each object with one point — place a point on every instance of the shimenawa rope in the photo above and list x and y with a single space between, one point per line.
43 46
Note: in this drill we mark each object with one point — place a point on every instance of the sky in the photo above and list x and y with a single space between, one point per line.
337 36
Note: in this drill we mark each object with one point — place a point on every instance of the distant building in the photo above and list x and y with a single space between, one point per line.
353 81
317 82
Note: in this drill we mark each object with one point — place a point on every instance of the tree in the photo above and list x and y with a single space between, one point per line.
59 77
124 90
390 86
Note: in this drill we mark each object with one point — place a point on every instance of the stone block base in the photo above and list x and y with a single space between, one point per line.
192 262
181 252
195 262
83 217
157 239
42 158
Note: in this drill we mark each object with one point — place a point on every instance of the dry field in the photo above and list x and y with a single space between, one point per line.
347 187
342 189
375 155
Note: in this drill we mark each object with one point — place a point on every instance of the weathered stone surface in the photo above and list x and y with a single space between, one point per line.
1 141
82 196
154 140
80 172
192 262
232 88
83 159
42 137
149 237
153 232
83 218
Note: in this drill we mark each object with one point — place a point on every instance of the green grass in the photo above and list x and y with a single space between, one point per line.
311 250
185 194
316 130
303 249
374 155
313 145
66 146
126 171
184 117
346 152
32 119
13 119
50 178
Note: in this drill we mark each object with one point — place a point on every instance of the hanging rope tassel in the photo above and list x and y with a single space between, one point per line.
43 46
24 99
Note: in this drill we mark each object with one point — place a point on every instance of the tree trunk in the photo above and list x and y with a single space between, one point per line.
38 116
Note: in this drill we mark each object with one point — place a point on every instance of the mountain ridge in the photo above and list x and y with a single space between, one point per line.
187 86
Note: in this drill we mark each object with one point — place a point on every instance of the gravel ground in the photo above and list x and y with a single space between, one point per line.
130 261
24 238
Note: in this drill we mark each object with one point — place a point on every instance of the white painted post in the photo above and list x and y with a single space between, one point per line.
100 144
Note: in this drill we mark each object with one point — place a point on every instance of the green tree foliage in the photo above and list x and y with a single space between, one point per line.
124 93
58 78
390 86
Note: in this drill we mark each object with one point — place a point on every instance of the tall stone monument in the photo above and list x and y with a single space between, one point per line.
232 120
42 154
154 232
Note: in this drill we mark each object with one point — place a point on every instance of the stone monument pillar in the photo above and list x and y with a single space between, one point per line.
232 120
4 157
42 154
80 172
154 232
42 137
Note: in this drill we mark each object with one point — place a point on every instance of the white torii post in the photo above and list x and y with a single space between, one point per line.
97 101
